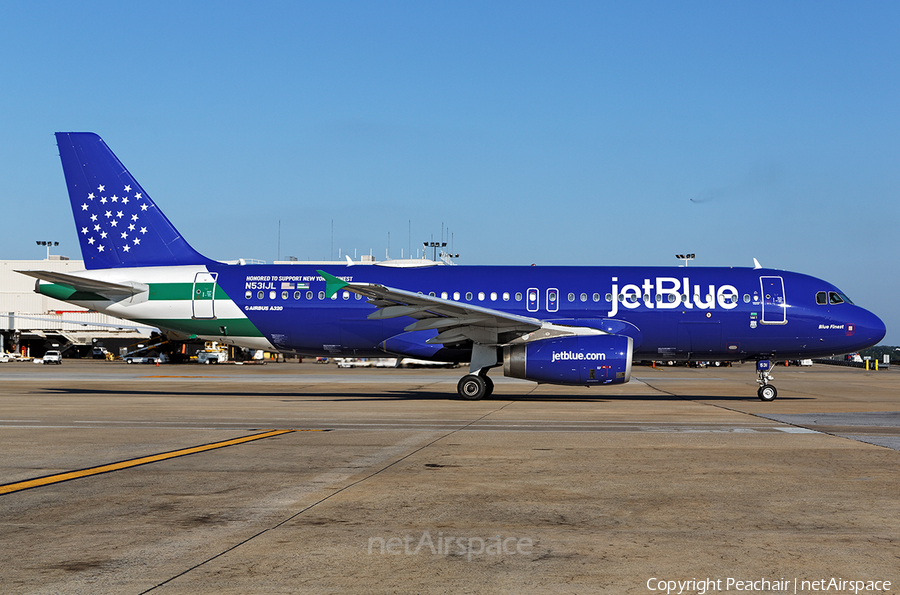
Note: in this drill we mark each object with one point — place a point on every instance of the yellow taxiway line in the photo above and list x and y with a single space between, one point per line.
59 477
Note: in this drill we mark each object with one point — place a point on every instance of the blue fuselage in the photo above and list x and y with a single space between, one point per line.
670 313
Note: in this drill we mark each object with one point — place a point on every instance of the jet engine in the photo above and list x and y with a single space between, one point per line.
574 360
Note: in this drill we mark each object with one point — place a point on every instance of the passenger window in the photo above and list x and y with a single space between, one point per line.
346 295
431 293
493 296
571 297
518 296
296 295
746 298
321 295
456 295
309 295
834 298
443 295
480 296
821 298
359 297
468 296
596 297
608 297
272 295
583 297
505 296
259 295
248 295
284 295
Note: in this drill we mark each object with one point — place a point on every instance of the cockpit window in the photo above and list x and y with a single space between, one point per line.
835 298
844 297
821 298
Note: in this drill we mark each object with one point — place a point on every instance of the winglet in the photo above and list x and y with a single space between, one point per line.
756 264
332 284
349 262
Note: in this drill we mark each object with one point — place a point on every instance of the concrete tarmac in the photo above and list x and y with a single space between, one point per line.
389 485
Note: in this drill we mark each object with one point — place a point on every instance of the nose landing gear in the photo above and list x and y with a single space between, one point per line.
766 391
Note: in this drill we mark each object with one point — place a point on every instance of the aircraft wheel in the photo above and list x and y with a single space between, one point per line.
472 387
767 392
489 386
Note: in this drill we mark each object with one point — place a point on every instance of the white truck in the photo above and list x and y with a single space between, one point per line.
212 354
52 357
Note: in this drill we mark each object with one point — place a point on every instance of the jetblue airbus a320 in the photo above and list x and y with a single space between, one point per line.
579 326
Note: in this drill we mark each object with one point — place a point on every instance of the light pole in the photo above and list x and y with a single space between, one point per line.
48 244
685 258
434 246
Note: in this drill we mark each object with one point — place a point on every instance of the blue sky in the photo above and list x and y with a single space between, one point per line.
536 132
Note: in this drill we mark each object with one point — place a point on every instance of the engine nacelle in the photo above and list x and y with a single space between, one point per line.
576 360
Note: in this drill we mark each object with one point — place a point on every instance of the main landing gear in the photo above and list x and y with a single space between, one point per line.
766 391
475 387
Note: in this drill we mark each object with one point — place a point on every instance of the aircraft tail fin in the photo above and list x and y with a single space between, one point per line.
117 223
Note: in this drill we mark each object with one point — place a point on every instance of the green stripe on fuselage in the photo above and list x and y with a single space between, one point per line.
158 291
184 291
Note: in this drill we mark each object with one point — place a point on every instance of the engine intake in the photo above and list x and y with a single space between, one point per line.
578 360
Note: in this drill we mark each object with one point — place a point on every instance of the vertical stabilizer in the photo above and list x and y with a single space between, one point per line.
117 223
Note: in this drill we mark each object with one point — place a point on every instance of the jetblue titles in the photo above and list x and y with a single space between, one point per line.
668 293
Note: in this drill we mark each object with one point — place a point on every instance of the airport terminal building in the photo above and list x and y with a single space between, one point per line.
32 323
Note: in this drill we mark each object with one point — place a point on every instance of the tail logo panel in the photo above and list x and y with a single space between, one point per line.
118 224
108 222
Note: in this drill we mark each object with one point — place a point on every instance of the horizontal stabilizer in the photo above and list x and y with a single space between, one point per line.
104 288
83 323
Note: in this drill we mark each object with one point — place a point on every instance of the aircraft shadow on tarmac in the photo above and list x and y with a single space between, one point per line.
412 395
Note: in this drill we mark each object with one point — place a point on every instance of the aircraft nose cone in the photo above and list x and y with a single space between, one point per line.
870 329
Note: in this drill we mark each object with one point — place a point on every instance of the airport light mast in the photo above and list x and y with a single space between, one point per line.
434 246
685 258
48 244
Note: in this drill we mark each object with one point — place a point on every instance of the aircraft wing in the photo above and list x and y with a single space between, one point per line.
454 321
103 288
